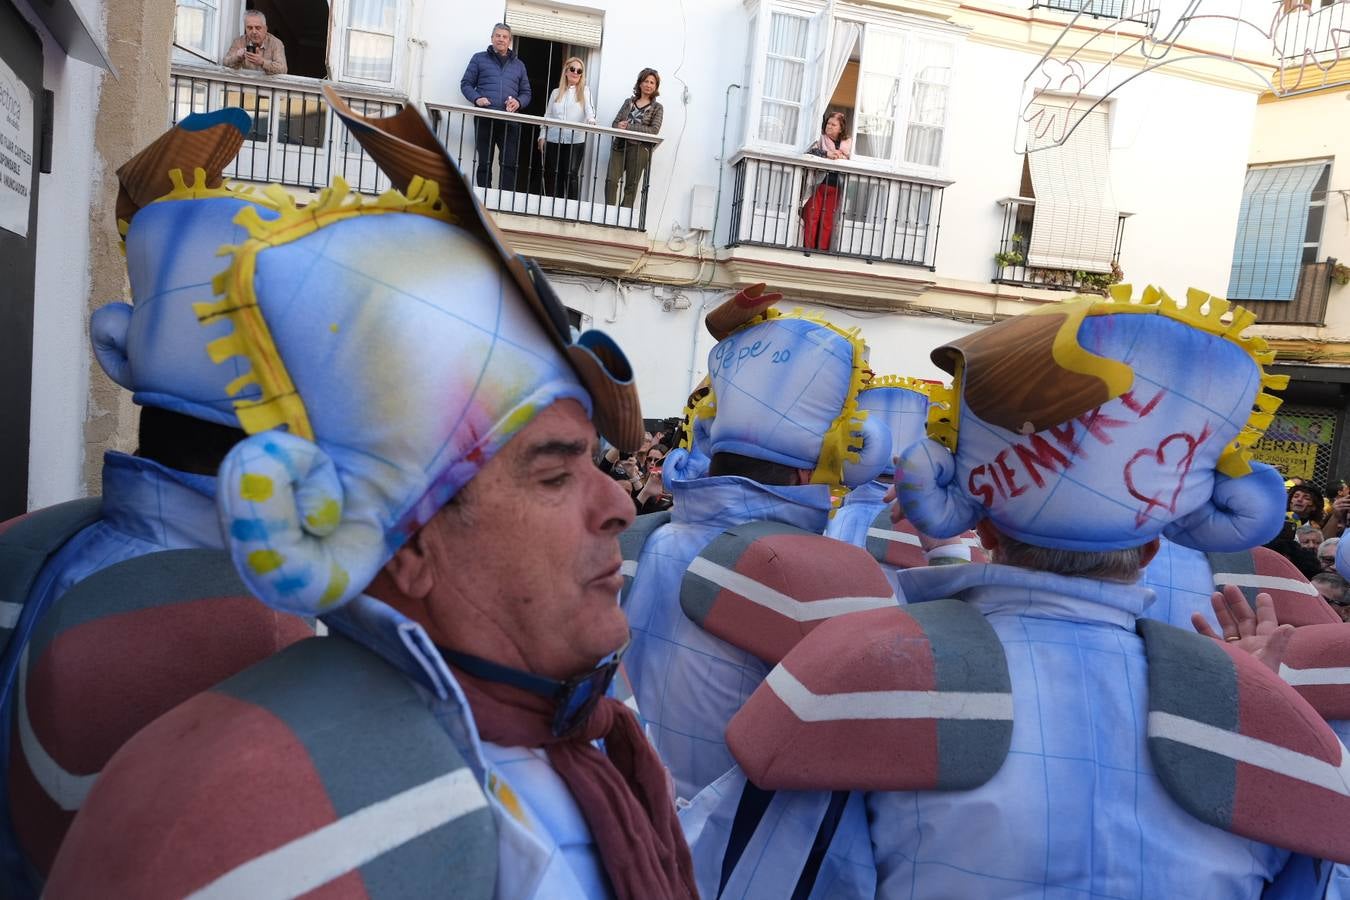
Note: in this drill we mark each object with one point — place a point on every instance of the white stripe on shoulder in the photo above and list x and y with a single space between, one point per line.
66 788
335 849
1296 677
812 707
1252 751
790 607
895 537
1274 582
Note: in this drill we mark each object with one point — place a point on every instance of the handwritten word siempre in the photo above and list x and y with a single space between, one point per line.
1018 467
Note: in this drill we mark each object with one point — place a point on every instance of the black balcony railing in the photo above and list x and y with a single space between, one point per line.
1309 303
1011 259
581 173
294 140
1123 10
817 206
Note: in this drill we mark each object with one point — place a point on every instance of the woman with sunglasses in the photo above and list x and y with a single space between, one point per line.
563 148
630 160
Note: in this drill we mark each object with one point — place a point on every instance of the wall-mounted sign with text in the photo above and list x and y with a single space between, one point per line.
16 152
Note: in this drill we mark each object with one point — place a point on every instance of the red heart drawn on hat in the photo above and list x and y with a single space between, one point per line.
1165 466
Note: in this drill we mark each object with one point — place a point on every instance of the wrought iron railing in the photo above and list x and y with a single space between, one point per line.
1011 260
834 208
1124 10
1309 303
1310 28
582 173
295 140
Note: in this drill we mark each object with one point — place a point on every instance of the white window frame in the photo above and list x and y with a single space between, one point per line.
229 25
339 18
760 57
914 30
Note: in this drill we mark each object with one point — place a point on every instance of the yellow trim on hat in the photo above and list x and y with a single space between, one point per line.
944 409
918 385
1200 310
704 407
280 403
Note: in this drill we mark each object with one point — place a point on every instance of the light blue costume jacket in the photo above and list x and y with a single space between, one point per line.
146 508
545 848
1183 582
860 509
1075 811
688 683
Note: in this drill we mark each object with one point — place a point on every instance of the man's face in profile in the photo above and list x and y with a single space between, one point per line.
255 32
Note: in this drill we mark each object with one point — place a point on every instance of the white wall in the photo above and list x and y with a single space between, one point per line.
60 331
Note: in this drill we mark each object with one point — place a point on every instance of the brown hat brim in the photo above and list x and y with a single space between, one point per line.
404 147
144 178
1012 378
736 311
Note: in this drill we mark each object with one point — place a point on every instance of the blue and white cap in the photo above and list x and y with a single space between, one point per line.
1099 424
178 216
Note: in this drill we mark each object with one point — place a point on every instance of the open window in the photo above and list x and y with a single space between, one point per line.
544 37
365 38
890 78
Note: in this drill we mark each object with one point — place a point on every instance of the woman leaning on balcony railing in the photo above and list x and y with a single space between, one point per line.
563 148
818 210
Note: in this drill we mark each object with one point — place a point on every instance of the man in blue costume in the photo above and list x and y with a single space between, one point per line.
1035 735
163 496
864 518
781 440
419 473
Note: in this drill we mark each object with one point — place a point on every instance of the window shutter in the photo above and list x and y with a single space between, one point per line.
1272 221
1076 215
552 23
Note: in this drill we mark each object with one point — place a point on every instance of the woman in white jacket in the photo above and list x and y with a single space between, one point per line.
564 147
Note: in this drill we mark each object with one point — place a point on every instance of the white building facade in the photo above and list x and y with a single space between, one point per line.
938 224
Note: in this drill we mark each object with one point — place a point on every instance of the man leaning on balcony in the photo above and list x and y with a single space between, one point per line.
496 79
256 49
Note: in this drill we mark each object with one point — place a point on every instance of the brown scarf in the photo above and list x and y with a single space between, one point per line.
624 793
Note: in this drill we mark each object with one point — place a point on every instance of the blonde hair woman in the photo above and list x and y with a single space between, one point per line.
564 147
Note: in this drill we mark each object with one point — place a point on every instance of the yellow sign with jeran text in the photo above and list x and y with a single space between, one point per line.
1295 459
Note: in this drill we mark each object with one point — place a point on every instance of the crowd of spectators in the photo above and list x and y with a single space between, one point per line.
640 473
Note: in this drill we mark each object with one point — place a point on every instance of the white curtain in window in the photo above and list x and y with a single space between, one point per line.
928 104
372 15
842 43
784 78
1076 215
194 26
370 39
883 64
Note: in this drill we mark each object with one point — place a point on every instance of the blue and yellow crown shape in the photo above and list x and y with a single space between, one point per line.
901 405
785 389
1099 424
